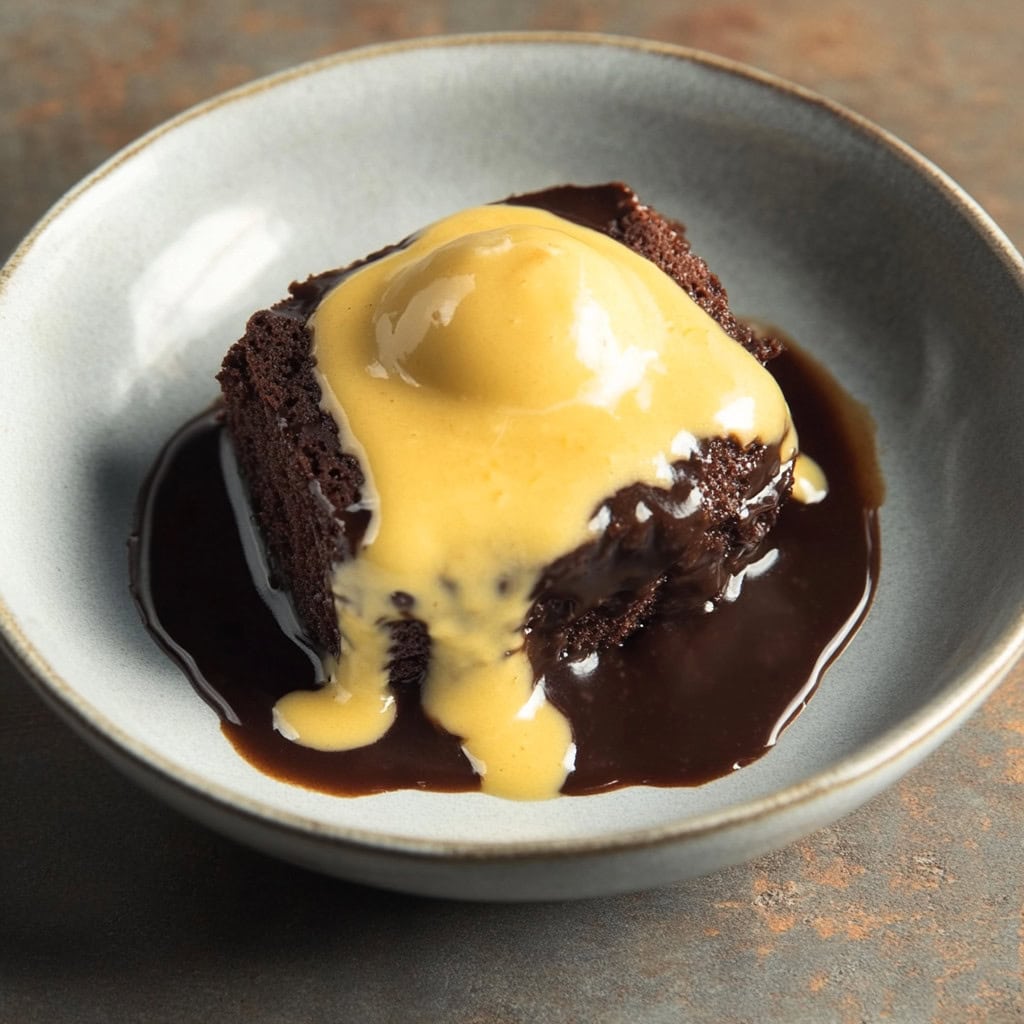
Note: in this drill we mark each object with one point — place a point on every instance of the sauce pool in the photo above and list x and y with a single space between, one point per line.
681 702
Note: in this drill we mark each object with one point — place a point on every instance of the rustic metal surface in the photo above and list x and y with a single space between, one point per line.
114 908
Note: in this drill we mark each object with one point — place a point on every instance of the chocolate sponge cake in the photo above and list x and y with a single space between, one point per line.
658 550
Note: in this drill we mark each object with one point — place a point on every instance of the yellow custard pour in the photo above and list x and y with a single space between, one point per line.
498 378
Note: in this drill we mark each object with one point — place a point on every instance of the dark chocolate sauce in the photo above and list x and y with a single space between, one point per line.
678 703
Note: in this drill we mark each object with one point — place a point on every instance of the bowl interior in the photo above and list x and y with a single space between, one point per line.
117 314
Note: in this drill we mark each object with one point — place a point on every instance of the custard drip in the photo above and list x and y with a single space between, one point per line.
498 378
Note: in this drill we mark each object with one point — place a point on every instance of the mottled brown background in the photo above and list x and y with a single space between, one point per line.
114 908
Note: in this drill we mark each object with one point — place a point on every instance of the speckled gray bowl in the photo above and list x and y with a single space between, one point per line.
115 312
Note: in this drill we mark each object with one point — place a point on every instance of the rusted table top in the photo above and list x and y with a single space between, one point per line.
115 908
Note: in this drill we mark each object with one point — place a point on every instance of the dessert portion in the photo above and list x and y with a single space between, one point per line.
487 456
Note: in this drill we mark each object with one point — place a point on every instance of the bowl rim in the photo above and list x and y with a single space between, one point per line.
915 735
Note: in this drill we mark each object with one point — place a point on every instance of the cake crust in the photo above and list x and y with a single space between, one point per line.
305 491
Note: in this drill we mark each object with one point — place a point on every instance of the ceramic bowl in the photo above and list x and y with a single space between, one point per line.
117 309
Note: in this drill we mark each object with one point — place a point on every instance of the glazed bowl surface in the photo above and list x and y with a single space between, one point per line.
116 311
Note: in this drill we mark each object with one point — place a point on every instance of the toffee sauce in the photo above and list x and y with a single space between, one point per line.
678 704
